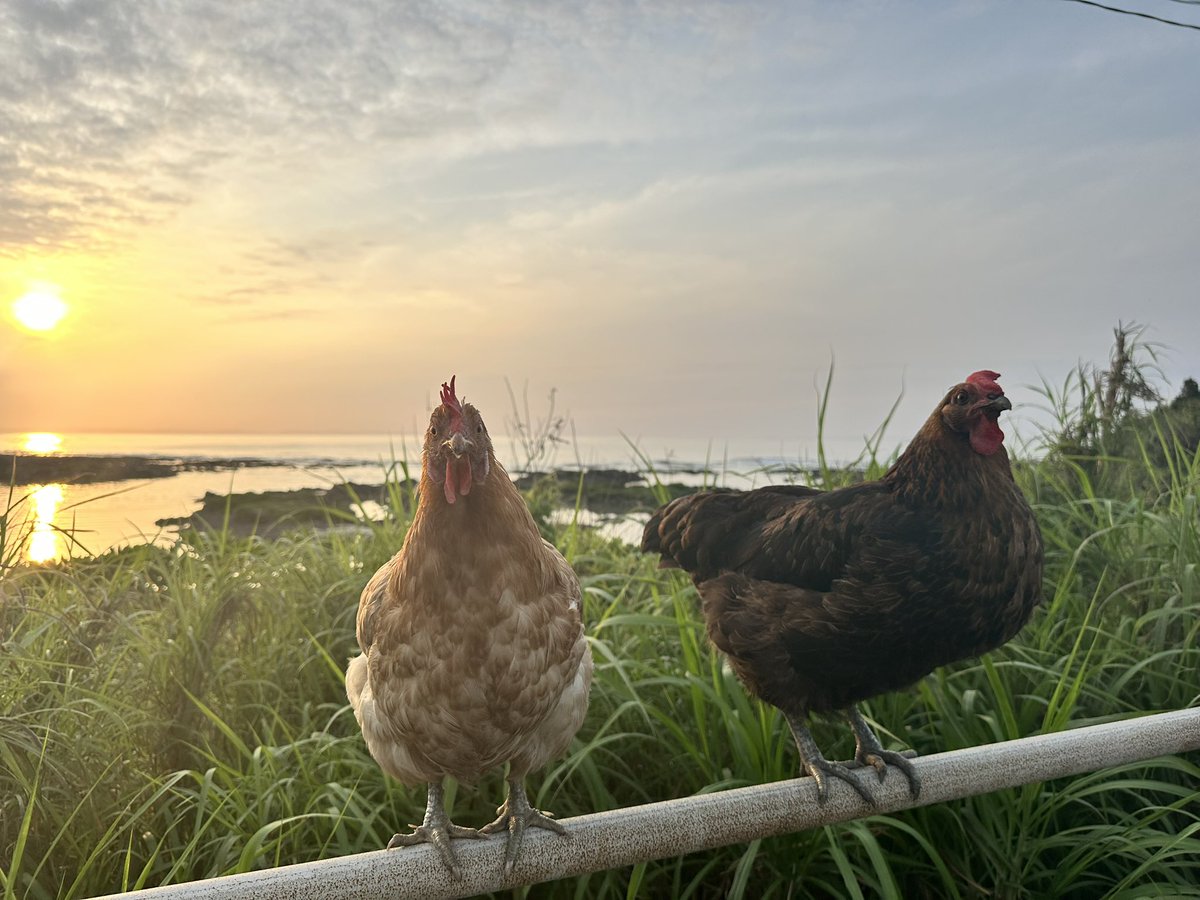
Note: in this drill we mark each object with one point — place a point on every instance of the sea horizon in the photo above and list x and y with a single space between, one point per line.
615 451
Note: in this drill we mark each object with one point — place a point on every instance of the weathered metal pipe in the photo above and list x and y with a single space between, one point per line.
623 837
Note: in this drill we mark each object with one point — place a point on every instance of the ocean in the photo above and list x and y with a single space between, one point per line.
114 514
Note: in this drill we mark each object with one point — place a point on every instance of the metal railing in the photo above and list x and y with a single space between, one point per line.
623 837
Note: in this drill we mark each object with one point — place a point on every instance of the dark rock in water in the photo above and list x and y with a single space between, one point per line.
271 513
598 490
22 468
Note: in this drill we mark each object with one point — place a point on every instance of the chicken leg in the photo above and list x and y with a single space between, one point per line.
437 829
818 766
514 816
869 752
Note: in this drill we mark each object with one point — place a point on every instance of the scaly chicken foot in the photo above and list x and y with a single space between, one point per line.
514 816
869 752
816 765
437 829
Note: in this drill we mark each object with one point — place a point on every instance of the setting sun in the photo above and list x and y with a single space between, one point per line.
39 310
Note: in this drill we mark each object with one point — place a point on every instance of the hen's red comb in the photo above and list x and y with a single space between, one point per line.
449 400
986 380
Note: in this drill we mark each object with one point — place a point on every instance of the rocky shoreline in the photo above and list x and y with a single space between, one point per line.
610 492
607 492
21 469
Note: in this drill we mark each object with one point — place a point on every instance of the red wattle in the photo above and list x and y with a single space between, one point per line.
448 484
986 437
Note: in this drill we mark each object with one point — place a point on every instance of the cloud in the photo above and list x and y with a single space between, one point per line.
113 114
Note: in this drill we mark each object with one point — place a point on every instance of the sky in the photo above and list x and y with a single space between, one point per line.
304 215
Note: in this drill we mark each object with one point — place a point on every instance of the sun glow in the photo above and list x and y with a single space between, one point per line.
43 540
42 442
39 310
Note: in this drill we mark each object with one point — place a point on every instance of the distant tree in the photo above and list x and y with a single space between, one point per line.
1183 417
1189 394
1166 436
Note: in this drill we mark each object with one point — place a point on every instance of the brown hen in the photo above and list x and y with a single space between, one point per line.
823 599
473 650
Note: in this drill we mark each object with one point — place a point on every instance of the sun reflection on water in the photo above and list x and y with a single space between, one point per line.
44 544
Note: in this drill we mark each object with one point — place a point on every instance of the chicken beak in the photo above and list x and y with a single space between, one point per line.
999 404
458 444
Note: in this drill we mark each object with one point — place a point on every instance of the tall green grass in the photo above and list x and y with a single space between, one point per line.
169 714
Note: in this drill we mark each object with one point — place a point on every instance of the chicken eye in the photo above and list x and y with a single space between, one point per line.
479 429
433 431
961 398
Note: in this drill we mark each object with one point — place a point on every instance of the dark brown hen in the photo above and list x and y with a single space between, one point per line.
823 599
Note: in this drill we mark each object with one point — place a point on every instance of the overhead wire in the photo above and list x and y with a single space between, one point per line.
1143 15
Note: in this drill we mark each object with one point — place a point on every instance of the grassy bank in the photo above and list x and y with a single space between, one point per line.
174 714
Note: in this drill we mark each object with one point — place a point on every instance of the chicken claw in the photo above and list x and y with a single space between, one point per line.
514 816
437 829
869 752
819 767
